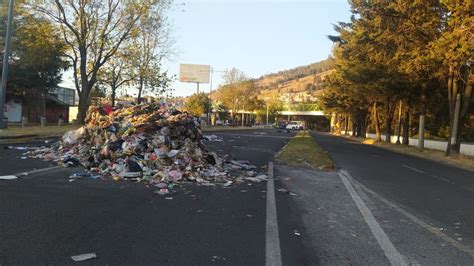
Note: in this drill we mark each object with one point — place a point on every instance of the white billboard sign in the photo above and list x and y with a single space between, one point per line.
194 73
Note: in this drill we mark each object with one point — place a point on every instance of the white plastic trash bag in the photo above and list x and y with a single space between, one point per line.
71 137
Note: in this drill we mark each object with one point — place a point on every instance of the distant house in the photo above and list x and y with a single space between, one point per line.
56 102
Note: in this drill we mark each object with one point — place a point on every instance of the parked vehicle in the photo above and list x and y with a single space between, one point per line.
295 125
281 125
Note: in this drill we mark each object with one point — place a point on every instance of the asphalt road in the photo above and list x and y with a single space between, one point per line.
417 212
11 161
424 209
442 194
44 219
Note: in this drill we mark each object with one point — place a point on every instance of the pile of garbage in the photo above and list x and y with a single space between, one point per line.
148 142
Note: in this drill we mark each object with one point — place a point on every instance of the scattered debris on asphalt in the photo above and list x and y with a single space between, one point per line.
8 177
212 138
21 148
257 179
83 257
217 258
154 143
286 191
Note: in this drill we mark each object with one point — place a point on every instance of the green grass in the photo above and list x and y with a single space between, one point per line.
17 131
302 150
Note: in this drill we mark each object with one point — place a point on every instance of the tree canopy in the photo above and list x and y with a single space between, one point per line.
409 55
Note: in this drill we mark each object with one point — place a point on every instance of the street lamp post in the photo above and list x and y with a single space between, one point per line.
3 84
209 99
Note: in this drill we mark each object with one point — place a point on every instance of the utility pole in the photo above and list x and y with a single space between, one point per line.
3 84
210 91
209 101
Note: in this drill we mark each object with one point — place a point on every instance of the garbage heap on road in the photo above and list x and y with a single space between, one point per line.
148 142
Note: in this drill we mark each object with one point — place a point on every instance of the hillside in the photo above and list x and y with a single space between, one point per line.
297 85
300 84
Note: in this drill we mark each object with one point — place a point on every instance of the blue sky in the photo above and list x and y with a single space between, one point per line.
257 37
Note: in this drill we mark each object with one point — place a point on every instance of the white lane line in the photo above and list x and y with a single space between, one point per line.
39 170
414 169
423 172
468 188
261 136
418 221
272 238
388 248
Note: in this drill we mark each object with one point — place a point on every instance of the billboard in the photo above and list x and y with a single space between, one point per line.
194 73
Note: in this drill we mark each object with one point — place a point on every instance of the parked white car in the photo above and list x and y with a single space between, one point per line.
295 125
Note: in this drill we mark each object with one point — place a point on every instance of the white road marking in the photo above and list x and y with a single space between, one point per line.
272 238
260 136
418 221
423 172
388 248
468 188
414 169
39 170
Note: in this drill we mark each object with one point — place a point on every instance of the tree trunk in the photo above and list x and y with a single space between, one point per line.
140 89
452 94
353 123
338 124
364 122
406 125
114 91
399 129
378 136
85 87
465 101
388 121
346 123
82 108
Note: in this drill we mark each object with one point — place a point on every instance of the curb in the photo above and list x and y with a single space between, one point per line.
19 136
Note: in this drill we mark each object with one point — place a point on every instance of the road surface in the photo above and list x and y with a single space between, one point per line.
377 208
44 219
381 208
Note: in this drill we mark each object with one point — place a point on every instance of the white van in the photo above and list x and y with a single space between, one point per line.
295 125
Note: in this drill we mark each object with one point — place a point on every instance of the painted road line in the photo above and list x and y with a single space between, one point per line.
272 238
416 220
259 136
39 170
388 248
414 169
423 172
468 188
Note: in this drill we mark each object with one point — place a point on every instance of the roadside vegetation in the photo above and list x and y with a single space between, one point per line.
107 45
400 67
35 131
303 151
